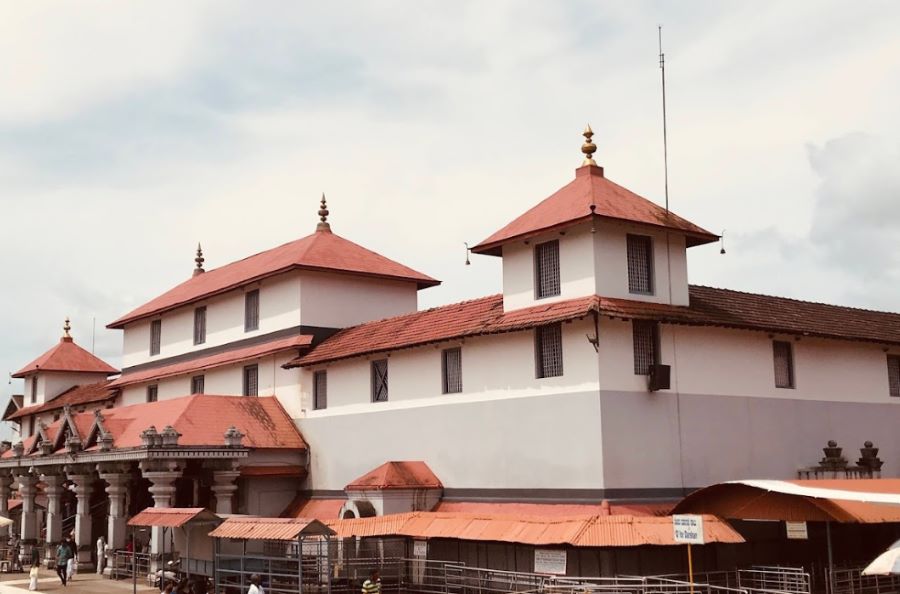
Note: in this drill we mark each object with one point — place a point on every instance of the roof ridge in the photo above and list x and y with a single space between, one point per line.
795 300
420 312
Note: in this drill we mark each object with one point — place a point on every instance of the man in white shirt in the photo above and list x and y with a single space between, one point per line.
255 588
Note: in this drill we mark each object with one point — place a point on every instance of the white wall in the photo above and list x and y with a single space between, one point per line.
341 300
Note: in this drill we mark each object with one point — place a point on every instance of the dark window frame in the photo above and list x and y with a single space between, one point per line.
155 337
200 325
251 310
548 338
893 363
645 345
380 380
451 384
250 388
785 349
320 389
33 396
152 393
547 281
198 384
638 268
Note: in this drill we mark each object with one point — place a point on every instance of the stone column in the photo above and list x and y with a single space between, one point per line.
162 477
224 488
116 478
84 486
54 491
29 529
5 483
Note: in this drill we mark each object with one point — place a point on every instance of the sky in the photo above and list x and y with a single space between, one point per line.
131 131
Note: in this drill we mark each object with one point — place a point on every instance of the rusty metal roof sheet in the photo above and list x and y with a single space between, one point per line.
173 517
250 528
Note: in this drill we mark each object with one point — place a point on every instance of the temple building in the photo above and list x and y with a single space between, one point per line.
304 380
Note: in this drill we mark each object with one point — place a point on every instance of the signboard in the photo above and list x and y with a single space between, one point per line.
688 528
551 561
420 549
796 530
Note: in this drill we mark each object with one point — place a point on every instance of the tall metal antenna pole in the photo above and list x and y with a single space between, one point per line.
662 67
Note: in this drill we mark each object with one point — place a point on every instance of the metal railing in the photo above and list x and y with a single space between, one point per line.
125 563
849 580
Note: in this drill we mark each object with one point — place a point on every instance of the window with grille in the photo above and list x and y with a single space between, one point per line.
380 380
548 350
784 364
546 269
152 393
251 380
451 370
251 310
200 325
198 383
155 336
893 362
645 336
320 390
33 389
640 264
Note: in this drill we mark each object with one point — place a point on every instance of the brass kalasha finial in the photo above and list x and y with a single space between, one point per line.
66 327
588 148
199 260
323 216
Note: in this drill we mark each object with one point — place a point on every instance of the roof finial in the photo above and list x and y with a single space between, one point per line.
66 327
199 260
323 216
588 148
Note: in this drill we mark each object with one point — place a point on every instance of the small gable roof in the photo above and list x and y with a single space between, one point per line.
74 396
397 475
67 356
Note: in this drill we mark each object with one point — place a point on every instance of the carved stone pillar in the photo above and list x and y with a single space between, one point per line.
29 530
6 481
162 477
224 488
54 491
84 486
116 478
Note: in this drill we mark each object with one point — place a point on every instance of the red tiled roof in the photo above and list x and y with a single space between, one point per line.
224 358
571 204
74 396
322 251
269 528
708 307
172 517
397 475
549 510
319 509
67 356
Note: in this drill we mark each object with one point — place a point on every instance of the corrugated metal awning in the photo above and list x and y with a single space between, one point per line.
173 517
247 528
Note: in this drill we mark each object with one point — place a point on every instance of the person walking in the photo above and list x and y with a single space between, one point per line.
63 554
255 587
373 584
33 577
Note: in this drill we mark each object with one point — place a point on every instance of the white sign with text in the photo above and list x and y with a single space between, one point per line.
551 561
796 530
688 529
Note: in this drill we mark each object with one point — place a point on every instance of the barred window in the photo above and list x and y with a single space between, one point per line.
251 310
200 325
152 393
640 264
380 380
645 335
451 370
320 390
893 362
198 384
155 336
34 389
548 350
251 380
546 269
784 364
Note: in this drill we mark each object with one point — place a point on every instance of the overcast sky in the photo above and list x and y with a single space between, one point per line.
129 131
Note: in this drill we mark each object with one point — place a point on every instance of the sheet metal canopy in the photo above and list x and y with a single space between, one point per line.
246 528
869 501
173 517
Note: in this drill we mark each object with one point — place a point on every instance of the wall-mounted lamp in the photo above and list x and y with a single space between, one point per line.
468 249
722 243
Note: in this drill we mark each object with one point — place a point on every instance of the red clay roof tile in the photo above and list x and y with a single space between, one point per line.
571 204
74 396
322 251
397 475
67 356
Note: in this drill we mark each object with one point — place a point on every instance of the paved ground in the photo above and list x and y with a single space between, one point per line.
86 583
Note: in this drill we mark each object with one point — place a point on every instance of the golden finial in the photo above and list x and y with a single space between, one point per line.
199 260
323 216
66 327
588 148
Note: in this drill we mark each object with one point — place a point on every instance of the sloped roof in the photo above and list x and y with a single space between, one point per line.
708 307
554 509
397 475
322 251
572 204
74 396
216 360
67 356
582 531
252 528
321 509
173 517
